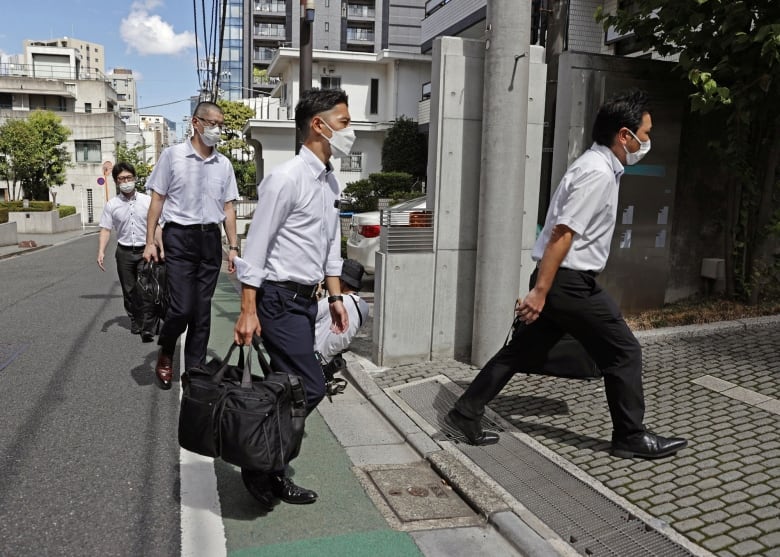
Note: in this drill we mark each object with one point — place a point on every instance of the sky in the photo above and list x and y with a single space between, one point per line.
154 38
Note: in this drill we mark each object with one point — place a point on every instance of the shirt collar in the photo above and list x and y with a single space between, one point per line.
194 153
315 164
614 162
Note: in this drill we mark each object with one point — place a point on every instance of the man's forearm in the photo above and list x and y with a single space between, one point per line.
230 224
248 299
153 218
554 254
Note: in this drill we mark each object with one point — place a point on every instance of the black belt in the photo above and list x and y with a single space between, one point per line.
130 248
301 289
201 227
593 274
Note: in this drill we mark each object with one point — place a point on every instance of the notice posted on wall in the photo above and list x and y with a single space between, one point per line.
628 215
625 239
663 215
660 239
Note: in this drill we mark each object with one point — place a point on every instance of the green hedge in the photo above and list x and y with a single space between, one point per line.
17 206
66 210
3 215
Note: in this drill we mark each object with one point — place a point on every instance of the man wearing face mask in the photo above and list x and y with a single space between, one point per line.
294 242
126 213
565 297
193 188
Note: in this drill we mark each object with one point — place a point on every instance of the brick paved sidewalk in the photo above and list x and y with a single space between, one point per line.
719 389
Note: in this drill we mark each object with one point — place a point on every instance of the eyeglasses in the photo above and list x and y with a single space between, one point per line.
211 123
125 179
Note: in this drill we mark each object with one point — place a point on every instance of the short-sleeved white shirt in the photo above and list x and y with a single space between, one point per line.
128 217
586 201
195 189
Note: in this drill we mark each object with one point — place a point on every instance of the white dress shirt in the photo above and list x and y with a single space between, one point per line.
328 343
128 217
196 189
295 233
586 201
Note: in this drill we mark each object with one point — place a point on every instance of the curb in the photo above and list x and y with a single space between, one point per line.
664 333
505 521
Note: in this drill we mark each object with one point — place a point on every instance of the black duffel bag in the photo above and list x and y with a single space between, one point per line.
253 422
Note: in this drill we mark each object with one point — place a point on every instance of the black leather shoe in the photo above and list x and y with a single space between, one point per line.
284 488
471 429
648 445
147 337
257 485
163 371
135 329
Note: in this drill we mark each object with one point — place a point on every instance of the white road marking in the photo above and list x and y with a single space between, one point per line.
202 529
734 391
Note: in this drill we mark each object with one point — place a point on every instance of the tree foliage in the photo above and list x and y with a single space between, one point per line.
234 146
729 52
33 157
405 149
365 194
134 155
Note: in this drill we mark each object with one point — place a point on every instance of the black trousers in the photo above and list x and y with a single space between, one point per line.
193 259
287 322
126 267
577 305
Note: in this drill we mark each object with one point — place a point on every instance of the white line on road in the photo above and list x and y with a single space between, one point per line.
202 529
731 390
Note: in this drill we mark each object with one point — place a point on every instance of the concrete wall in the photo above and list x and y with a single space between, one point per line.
43 222
8 234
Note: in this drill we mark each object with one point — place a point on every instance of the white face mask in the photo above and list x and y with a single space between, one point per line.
635 157
127 187
211 135
341 141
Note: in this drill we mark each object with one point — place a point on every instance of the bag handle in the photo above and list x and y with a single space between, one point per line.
245 364
264 365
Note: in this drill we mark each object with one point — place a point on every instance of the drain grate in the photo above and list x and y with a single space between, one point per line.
593 524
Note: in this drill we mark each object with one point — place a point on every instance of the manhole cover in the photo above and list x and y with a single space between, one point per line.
418 493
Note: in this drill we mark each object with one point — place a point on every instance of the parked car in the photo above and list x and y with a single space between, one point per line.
363 240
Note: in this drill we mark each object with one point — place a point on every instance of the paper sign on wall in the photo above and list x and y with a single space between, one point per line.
628 215
625 239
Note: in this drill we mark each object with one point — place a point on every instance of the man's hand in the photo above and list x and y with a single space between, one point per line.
231 267
339 316
150 253
529 308
247 326
100 258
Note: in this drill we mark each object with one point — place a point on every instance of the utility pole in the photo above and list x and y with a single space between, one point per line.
502 175
306 48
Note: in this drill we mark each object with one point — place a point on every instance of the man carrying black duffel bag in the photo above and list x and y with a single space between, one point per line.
294 242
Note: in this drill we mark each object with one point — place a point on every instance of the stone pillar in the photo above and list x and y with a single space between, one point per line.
502 178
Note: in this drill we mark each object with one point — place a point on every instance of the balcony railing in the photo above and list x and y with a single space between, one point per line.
270 7
360 10
50 71
360 35
276 31
264 54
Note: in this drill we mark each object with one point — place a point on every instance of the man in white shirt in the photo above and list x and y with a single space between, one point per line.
193 188
126 213
565 297
328 343
294 242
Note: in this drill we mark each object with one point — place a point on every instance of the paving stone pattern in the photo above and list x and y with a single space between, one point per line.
723 491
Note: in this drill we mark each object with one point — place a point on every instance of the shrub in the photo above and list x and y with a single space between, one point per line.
397 186
3 215
35 206
66 210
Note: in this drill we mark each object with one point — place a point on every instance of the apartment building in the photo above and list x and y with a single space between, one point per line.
123 82
53 75
256 29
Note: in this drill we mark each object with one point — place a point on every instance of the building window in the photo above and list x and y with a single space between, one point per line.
352 163
88 151
373 107
327 26
330 82
88 108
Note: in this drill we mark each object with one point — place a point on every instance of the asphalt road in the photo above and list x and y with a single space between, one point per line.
88 450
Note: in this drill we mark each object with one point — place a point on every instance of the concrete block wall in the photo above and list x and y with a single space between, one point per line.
8 234
43 222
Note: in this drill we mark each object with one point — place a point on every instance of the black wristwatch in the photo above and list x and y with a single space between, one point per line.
337 298
234 248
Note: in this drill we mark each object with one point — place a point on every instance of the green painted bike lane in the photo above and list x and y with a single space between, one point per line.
343 522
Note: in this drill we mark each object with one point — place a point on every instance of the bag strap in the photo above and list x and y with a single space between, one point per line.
357 307
244 364
296 387
264 365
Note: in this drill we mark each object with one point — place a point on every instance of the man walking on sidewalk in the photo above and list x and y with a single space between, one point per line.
565 297
293 243
193 187
126 213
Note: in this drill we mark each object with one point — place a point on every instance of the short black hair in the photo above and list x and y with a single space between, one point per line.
120 166
206 106
623 110
314 101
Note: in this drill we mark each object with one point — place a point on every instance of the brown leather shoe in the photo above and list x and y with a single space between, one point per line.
163 371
